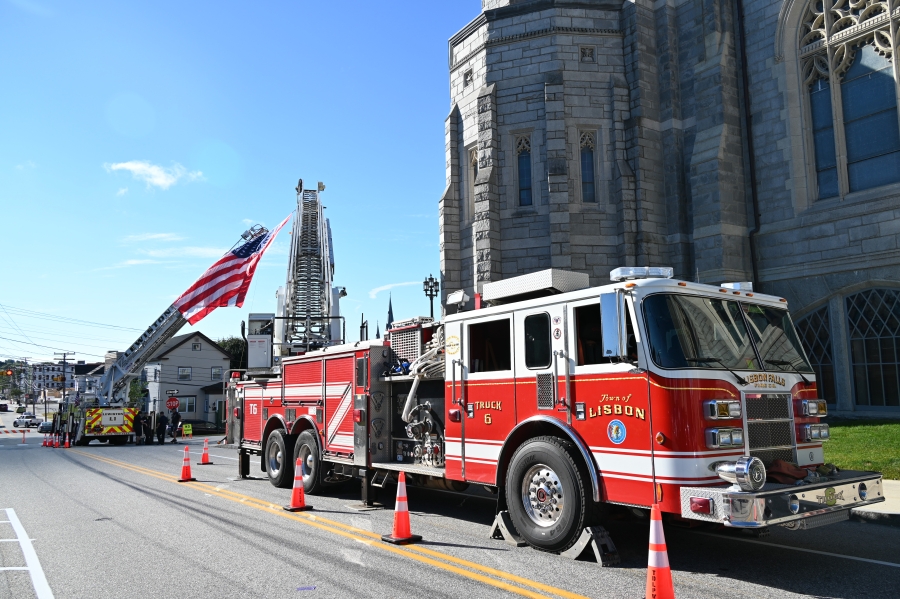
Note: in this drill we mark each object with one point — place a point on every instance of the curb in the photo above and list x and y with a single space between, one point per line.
875 518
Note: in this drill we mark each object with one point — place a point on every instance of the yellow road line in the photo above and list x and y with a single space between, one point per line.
354 533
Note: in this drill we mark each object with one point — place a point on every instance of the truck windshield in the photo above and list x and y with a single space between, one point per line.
700 332
775 338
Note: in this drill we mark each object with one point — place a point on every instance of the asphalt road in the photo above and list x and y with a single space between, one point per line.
112 521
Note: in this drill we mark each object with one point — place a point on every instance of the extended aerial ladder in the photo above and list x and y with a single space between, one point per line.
308 306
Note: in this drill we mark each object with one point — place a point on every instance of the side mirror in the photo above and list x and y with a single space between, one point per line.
612 321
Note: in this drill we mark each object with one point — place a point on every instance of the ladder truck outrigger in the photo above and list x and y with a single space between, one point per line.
565 399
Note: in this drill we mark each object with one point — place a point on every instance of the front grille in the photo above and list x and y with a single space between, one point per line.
767 456
771 406
769 434
770 427
545 391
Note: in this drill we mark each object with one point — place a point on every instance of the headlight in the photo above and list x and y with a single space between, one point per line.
724 438
721 409
748 473
814 432
814 407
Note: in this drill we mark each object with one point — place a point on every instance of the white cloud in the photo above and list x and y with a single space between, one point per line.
373 293
152 237
27 165
186 252
248 221
122 191
154 175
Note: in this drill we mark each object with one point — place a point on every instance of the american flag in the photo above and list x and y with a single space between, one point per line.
226 282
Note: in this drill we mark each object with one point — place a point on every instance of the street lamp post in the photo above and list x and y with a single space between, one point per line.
432 287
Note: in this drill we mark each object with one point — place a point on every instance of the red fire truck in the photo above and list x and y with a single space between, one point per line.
563 398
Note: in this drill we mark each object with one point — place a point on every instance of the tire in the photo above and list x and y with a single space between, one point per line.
307 449
279 468
546 494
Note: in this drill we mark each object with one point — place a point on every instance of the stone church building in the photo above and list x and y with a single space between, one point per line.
734 140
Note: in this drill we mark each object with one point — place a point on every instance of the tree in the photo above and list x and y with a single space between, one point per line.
135 391
237 349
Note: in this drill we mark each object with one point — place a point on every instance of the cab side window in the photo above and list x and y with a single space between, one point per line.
589 335
537 341
489 348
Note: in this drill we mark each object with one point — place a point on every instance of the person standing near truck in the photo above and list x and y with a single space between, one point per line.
176 419
161 422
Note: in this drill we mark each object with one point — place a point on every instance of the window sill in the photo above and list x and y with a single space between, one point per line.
864 195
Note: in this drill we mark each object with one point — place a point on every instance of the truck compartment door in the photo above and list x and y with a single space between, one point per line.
339 405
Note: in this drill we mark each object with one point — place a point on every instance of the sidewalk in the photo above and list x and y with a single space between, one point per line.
886 512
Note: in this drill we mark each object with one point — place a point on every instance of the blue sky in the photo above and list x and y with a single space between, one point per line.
140 139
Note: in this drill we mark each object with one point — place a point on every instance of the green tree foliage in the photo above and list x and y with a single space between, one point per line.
135 390
237 349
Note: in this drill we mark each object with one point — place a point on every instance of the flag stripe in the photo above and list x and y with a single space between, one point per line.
226 282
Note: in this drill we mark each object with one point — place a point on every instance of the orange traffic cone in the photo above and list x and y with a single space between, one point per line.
298 496
401 534
659 576
67 446
56 445
186 467
44 442
204 459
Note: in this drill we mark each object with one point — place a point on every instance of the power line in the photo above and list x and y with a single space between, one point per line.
55 334
47 346
13 322
58 318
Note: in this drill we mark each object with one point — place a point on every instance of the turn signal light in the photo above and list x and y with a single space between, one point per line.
814 407
721 409
701 505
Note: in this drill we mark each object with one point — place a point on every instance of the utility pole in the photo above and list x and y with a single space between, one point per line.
65 354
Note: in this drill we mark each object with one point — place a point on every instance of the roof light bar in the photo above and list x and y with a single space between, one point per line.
641 272
742 286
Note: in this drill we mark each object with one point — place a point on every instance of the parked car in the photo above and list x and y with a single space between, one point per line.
21 410
27 420
4 407
45 427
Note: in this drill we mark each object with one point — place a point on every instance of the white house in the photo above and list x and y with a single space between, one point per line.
192 368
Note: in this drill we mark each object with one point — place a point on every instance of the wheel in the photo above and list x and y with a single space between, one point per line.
547 498
307 449
279 468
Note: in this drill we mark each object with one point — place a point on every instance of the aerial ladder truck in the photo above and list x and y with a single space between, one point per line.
307 316
110 415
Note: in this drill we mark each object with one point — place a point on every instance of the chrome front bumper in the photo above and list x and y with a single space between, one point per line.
818 503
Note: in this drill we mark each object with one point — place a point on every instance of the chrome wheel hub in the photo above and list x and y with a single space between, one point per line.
542 495
276 459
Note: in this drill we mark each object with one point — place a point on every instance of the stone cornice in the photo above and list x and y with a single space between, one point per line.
528 6
528 35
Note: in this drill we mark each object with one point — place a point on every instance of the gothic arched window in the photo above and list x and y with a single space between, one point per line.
846 54
523 162
873 318
588 193
814 331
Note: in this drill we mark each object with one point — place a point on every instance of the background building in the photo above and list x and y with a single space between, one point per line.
194 365
735 141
